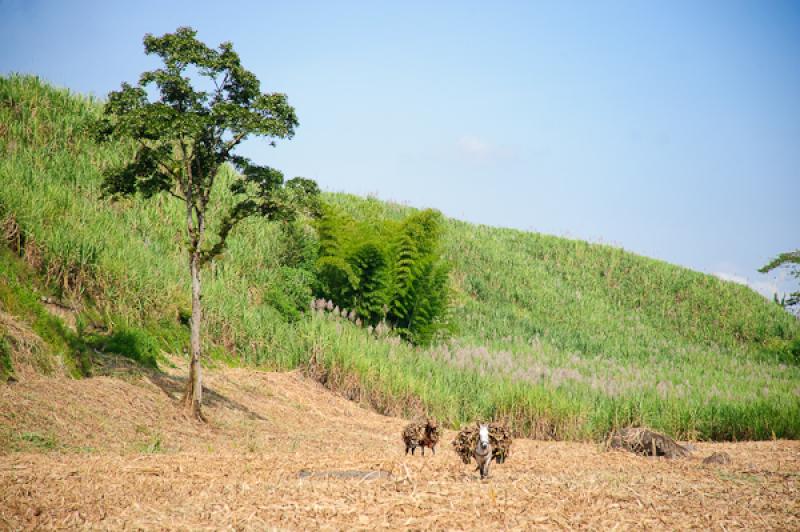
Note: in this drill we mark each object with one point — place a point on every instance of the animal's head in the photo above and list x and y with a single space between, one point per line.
483 436
431 425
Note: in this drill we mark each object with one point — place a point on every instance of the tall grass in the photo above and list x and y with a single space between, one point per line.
564 338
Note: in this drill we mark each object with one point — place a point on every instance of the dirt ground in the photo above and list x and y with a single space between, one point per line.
281 452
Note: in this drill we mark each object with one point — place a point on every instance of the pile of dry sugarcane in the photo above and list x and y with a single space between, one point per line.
646 442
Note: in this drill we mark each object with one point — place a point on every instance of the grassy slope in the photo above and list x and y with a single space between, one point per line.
29 334
563 337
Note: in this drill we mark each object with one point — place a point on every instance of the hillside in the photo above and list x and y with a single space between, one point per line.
564 338
281 451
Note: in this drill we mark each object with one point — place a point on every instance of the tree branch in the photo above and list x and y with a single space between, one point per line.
176 196
237 213
792 257
221 86
209 186
169 169
234 142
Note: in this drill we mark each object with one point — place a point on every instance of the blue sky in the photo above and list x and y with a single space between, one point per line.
671 129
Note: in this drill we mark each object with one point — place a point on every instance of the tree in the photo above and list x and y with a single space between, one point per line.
182 139
791 260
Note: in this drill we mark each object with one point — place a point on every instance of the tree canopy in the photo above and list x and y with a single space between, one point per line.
186 134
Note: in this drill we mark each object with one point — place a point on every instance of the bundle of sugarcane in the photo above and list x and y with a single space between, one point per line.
499 437
646 442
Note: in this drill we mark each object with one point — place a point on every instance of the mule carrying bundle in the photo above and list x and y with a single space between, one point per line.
499 437
422 434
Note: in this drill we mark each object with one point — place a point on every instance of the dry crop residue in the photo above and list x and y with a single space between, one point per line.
117 455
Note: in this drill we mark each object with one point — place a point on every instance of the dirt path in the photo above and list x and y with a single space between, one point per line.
113 453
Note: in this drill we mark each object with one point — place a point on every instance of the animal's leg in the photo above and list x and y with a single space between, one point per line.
433 449
423 450
407 447
412 450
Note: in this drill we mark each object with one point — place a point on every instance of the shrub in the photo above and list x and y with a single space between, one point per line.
131 342
386 270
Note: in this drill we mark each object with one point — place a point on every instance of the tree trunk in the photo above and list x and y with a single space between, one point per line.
193 400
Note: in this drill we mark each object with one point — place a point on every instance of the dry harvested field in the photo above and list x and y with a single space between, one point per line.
282 452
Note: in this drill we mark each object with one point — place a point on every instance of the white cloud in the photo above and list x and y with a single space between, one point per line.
474 146
478 149
765 288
